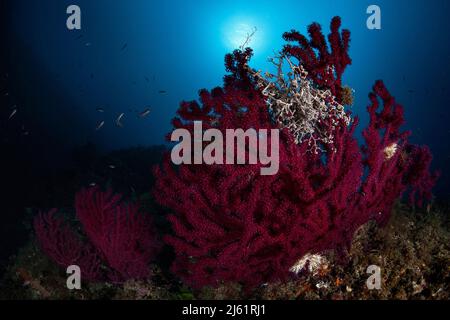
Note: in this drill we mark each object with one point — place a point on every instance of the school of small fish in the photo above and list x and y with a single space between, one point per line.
119 120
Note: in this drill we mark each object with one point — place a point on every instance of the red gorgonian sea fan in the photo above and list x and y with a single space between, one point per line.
120 242
232 224
325 65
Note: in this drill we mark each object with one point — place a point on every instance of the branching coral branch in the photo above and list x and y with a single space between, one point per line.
325 65
248 38
309 113
65 247
120 241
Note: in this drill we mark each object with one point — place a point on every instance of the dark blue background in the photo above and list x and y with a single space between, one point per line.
57 81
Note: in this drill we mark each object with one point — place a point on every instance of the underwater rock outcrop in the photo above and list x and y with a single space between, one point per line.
232 224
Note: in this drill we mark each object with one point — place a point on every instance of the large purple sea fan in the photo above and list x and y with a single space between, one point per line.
232 224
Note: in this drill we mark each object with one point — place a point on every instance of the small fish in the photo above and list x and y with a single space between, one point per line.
93 184
92 76
124 47
13 113
79 37
88 44
100 125
215 122
162 91
147 79
111 166
6 94
100 109
118 120
144 113
24 131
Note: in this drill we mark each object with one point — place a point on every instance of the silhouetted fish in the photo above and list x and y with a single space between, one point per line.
162 91
13 113
119 119
147 79
24 131
100 125
124 47
144 113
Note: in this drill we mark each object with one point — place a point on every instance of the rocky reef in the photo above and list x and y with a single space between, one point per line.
412 251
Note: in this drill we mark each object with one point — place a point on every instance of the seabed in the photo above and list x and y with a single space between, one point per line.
412 251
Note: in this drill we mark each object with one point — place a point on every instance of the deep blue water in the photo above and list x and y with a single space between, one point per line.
129 51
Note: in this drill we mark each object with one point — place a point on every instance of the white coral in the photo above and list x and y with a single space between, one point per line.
390 151
314 263
309 113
